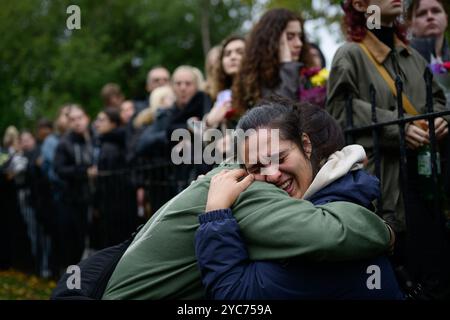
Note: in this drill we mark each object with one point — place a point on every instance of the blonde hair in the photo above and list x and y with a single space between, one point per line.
200 79
11 137
158 95
155 102
212 71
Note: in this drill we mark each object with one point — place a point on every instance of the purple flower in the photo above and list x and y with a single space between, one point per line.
314 95
309 72
438 68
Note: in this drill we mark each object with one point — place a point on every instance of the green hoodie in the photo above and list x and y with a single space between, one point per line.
161 264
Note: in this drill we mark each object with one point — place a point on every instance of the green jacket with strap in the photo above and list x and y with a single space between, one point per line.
352 73
161 264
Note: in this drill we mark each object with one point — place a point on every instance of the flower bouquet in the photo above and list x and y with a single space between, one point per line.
441 71
313 85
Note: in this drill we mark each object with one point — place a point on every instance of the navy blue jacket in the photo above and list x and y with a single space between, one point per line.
228 273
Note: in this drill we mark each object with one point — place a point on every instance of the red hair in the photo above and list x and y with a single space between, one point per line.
355 24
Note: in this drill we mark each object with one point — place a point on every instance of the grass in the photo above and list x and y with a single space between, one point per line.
19 286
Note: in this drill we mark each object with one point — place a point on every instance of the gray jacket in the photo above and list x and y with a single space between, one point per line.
290 82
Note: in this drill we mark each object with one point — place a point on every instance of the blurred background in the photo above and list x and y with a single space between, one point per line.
43 64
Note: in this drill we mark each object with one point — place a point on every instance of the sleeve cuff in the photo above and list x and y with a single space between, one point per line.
215 215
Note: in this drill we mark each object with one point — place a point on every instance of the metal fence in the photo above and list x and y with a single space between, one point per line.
114 210
425 243
34 239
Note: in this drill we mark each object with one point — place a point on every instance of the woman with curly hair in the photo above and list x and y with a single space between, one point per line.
273 57
357 65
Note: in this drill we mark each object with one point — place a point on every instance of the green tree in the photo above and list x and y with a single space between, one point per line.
43 64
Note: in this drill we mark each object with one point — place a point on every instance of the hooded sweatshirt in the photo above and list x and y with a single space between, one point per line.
229 273
161 263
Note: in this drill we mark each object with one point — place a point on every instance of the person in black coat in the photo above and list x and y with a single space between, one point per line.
115 195
73 164
155 141
191 104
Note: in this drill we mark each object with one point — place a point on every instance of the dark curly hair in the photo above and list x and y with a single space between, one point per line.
260 64
355 24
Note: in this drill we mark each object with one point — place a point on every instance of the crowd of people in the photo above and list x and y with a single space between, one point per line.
79 184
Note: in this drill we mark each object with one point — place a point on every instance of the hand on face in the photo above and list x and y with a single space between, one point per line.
291 42
284 51
280 163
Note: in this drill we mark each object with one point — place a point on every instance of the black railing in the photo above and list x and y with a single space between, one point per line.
440 181
37 245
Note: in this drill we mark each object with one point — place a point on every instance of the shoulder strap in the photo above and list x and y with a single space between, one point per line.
407 105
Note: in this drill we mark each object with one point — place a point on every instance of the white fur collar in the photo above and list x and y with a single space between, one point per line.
338 164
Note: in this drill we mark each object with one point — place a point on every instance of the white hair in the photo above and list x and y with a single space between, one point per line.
196 73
